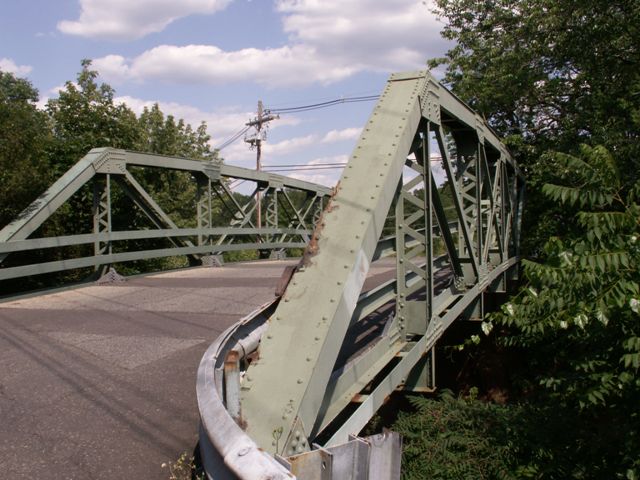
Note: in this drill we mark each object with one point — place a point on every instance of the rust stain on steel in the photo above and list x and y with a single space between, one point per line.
285 279
232 359
357 398
312 247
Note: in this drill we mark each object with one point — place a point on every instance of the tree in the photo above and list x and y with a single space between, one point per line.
559 79
24 136
578 317
85 116
548 74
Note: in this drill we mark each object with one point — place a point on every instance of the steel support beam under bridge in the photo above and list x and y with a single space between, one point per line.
305 391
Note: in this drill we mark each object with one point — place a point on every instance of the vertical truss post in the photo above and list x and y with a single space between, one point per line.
477 205
401 287
101 218
204 211
271 214
458 201
422 376
428 217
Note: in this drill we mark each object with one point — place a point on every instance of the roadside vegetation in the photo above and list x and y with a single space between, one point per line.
559 80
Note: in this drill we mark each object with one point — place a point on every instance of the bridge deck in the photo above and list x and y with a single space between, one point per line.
99 382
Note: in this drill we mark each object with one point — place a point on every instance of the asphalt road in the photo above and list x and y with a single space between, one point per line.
99 382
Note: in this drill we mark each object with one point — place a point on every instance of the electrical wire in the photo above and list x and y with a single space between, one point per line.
300 169
317 106
233 138
338 164
299 109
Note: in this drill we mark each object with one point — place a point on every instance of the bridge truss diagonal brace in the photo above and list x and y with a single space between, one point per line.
44 206
311 321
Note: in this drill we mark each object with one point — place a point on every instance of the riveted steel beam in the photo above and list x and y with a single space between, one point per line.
311 327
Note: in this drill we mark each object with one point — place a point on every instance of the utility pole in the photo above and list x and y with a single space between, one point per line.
256 141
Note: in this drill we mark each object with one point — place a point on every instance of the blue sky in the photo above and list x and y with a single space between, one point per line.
212 60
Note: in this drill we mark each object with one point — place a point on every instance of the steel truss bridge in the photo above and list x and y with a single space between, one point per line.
288 222
285 392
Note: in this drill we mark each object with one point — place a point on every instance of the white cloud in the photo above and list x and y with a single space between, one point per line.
375 35
8 65
328 41
326 177
285 66
131 19
340 135
295 144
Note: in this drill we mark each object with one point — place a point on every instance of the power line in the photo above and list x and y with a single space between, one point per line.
299 109
233 138
329 103
300 169
340 164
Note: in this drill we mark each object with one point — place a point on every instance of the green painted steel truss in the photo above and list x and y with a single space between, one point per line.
291 207
431 169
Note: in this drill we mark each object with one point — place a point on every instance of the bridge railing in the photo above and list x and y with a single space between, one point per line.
223 220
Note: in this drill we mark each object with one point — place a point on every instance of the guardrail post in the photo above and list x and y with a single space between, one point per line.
232 384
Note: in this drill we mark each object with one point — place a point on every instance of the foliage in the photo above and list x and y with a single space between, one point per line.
85 116
548 74
559 80
455 438
37 147
579 315
465 437
24 136
184 468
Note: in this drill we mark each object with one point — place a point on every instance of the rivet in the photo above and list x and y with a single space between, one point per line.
299 381
317 338
298 434
243 452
